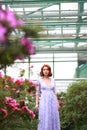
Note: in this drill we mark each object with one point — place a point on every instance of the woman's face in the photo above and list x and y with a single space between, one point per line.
45 71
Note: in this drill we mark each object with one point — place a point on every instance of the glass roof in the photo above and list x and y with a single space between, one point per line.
64 22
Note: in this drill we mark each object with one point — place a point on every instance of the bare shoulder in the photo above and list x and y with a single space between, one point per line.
52 79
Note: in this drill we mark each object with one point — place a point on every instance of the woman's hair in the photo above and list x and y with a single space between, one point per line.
49 68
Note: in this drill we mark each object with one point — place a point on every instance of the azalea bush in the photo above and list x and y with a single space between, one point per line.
17 102
15 38
73 115
61 100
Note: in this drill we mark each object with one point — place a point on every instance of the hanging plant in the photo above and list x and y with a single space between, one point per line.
15 38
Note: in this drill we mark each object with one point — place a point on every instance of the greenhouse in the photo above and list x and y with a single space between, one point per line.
58 31
64 46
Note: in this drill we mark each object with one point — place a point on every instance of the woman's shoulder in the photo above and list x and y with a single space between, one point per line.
52 79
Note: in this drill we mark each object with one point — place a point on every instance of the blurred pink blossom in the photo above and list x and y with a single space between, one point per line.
2 15
28 44
18 91
29 111
19 81
11 18
20 22
1 75
6 86
31 66
12 103
35 83
4 111
9 99
2 33
19 57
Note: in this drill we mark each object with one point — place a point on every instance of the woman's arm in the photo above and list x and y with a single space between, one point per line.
37 101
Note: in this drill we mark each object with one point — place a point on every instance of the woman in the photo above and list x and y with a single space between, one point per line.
47 103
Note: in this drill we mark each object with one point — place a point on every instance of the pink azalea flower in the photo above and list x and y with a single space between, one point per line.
31 66
6 86
12 79
2 33
28 44
24 41
35 84
9 100
14 106
19 57
11 18
30 47
2 15
20 22
12 103
4 111
18 91
29 111
16 109
30 81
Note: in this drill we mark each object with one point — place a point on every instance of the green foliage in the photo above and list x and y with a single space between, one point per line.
32 30
73 114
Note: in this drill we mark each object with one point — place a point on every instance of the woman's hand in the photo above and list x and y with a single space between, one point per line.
59 107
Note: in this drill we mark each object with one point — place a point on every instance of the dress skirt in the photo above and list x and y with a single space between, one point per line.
48 110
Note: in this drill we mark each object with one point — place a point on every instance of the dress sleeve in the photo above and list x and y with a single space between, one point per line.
38 88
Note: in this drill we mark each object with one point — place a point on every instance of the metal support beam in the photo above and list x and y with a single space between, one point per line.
38 1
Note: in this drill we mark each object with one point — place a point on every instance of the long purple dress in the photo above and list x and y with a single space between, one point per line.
48 106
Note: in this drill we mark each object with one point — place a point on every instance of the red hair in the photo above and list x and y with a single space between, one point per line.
48 67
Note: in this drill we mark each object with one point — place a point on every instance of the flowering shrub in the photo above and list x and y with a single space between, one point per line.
73 115
17 101
15 37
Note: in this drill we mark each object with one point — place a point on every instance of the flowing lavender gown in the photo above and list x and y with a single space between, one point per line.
48 106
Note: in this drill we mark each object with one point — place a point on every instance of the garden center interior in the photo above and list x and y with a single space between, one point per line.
65 46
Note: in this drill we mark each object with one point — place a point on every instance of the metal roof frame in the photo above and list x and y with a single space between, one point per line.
55 23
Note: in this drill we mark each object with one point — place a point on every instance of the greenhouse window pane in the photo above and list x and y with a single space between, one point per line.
65 57
64 70
15 70
70 6
41 57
